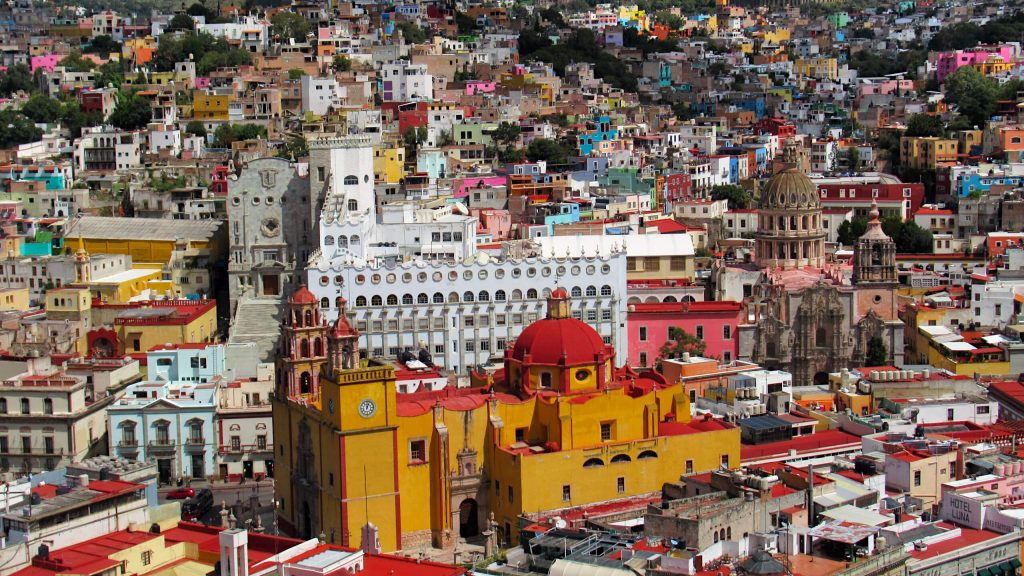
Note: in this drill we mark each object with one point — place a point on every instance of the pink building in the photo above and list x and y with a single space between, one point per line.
202 82
647 327
948 62
497 223
478 87
888 86
461 187
46 62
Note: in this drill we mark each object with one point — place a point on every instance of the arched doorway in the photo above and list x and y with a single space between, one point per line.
307 522
469 521
304 387
821 378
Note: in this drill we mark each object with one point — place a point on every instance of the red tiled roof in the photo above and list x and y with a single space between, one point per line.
814 442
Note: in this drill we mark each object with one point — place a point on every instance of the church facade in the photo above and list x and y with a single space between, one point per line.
560 426
808 316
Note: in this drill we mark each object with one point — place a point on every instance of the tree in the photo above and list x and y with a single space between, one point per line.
341 63
195 128
679 342
877 355
16 128
850 230
413 137
673 21
289 25
547 150
412 33
973 93
506 133
74 62
110 74
853 157
103 44
41 109
180 22
552 15
737 196
74 119
223 136
294 148
132 112
18 78
296 74
925 125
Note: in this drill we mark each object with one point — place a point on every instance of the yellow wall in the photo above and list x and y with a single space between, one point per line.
122 292
140 250
202 329
14 299
389 165
210 106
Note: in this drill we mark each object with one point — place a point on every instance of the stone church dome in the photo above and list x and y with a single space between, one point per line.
790 189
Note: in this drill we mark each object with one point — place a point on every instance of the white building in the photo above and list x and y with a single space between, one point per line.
321 94
252 34
413 278
993 302
402 81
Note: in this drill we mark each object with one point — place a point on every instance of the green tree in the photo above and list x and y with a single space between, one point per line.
74 119
294 148
223 136
853 158
289 25
738 196
103 44
296 74
552 15
41 109
16 128
131 112
110 74
413 137
877 355
925 125
673 21
75 63
195 128
412 33
18 78
341 63
974 94
679 342
547 150
506 133
180 22
850 230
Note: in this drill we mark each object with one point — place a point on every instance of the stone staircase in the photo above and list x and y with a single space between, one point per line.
258 320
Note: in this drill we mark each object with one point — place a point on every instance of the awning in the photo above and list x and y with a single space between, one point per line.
984 572
1014 563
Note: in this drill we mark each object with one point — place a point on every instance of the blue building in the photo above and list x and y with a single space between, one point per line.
968 183
603 132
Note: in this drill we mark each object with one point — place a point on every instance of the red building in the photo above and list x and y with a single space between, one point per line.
647 327
894 197
412 115
776 126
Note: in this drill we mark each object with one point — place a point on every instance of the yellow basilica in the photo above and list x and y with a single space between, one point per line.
559 427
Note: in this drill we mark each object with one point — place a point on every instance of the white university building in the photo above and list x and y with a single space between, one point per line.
413 278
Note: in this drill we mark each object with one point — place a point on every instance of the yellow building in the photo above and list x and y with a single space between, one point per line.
927 152
820 67
560 426
389 164
145 239
14 299
207 106
135 328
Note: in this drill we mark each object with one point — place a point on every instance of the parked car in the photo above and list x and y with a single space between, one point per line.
181 493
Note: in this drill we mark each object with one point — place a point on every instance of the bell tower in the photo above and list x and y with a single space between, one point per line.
303 348
874 254
342 343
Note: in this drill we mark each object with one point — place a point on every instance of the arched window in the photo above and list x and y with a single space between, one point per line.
620 458
406 298
576 292
438 298
328 240
821 337
309 318
671 299
606 290
325 303
716 536
305 383
353 205
593 463
499 296
728 532
531 294
392 300
468 296
376 300
318 348
647 454
360 300
339 300
453 298
591 291
354 240
351 180
304 348
483 296
517 294
343 241
423 299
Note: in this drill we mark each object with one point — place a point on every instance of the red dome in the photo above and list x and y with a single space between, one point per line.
303 296
560 342
560 294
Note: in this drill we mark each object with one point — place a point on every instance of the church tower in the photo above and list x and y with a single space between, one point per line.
342 343
874 254
303 345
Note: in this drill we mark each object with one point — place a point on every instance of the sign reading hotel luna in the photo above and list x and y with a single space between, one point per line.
963 511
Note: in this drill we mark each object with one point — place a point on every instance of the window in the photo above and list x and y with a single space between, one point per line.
917 477
48 445
727 332
620 485
643 359
511 495
236 443
689 466
26 445
725 460
3 405
566 493
520 434
147 557
418 452
261 442
700 332
24 406
949 414
606 431
643 333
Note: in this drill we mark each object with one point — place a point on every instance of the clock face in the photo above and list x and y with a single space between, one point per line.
367 408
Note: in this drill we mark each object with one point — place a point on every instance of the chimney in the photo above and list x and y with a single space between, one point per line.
234 552
370 542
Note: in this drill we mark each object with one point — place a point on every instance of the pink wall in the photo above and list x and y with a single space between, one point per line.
461 187
202 83
497 223
46 62
949 62
657 318
479 87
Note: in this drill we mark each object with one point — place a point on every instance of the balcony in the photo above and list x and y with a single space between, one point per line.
194 443
245 449
128 443
162 444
